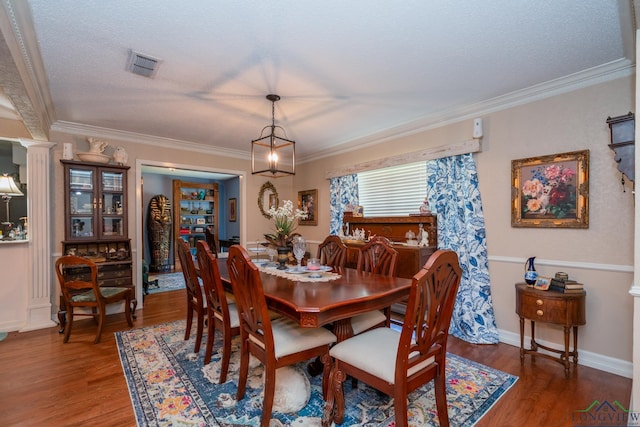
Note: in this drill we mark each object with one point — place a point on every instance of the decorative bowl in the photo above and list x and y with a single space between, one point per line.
93 157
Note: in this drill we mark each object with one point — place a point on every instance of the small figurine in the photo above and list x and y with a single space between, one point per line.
424 207
425 239
120 156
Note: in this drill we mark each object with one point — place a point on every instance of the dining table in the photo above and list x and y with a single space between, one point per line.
342 294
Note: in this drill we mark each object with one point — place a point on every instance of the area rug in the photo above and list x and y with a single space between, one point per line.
166 282
169 386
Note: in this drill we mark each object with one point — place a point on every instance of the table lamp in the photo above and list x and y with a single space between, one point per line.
8 189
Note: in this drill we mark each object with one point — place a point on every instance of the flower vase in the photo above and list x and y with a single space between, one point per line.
530 273
283 257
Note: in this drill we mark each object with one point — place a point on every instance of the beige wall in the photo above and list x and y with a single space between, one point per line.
600 256
13 129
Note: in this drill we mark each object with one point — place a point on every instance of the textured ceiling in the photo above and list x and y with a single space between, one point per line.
347 72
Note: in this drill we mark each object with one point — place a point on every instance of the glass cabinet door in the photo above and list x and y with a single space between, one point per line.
112 204
82 201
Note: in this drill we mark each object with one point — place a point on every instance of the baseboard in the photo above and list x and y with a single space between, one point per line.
587 358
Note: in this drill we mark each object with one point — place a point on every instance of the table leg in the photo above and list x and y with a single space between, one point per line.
342 330
575 345
567 333
521 339
534 344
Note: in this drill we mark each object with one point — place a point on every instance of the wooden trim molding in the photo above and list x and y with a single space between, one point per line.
464 147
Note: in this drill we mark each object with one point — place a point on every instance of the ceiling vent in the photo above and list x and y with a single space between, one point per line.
142 65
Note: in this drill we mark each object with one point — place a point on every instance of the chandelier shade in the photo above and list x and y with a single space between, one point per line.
273 154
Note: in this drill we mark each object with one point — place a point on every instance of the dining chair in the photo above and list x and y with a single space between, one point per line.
80 291
221 314
376 256
196 302
332 252
274 342
210 237
398 362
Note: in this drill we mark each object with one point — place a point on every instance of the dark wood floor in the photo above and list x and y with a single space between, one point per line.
47 383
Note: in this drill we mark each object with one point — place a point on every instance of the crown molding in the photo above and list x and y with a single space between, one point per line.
600 74
155 141
25 80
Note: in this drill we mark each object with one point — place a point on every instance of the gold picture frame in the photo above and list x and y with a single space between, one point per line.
308 202
542 283
551 191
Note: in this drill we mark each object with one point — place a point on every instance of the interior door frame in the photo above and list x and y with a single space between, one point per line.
139 211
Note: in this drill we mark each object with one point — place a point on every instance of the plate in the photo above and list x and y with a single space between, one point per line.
294 270
322 268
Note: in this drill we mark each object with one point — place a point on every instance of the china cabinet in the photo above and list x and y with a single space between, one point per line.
195 210
95 218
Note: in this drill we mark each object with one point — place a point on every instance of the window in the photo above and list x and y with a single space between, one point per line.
393 191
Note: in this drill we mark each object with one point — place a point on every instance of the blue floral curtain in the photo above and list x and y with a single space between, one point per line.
455 197
342 191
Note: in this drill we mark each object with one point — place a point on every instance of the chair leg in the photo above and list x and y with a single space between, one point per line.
211 332
226 356
101 316
269 391
69 325
441 397
400 409
187 332
244 368
127 309
326 372
199 331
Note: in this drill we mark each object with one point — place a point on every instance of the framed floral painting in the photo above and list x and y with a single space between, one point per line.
551 191
308 203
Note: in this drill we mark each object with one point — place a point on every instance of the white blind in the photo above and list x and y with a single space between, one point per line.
393 191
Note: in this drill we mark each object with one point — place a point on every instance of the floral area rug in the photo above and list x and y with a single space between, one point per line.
169 386
166 282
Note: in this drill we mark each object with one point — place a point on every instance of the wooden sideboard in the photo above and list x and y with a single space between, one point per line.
393 227
410 258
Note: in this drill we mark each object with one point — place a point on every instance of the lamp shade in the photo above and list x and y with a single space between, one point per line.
8 187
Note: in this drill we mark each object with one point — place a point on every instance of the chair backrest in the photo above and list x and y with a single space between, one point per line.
332 252
378 256
70 285
429 310
211 281
210 237
255 324
191 281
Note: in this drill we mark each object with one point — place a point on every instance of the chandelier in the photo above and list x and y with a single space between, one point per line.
273 155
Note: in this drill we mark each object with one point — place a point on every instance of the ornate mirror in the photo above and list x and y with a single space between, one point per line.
267 198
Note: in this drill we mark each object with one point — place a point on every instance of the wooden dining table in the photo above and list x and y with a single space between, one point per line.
313 304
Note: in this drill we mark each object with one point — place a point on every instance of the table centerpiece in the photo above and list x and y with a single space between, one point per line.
286 221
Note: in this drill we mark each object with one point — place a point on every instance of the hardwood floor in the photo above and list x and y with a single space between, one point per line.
48 383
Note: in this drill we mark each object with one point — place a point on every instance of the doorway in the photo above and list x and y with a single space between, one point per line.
156 178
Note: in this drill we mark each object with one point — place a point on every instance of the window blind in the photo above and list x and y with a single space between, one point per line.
393 191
